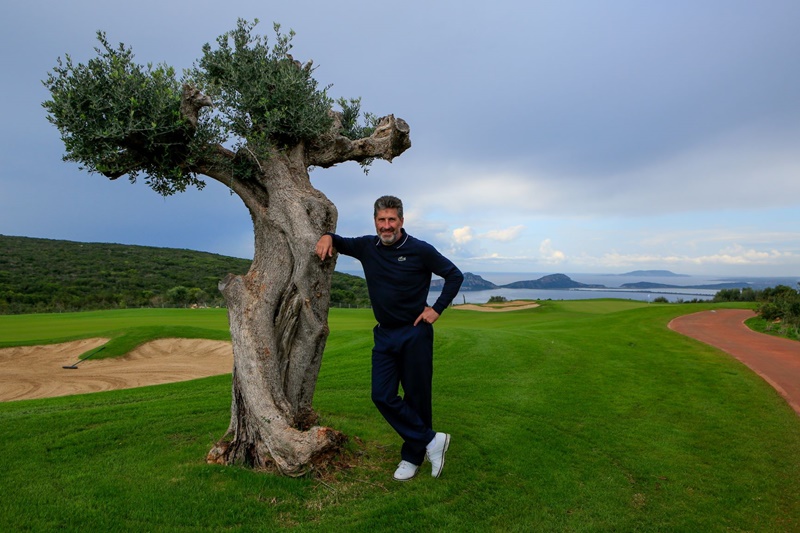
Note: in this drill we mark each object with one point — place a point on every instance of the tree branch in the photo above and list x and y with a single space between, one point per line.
135 147
192 101
389 140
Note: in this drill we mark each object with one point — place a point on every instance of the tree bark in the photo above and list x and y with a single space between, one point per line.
278 311
390 139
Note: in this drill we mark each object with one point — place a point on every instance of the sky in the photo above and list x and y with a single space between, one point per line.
547 136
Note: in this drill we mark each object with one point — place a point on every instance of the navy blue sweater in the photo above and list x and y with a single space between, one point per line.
399 276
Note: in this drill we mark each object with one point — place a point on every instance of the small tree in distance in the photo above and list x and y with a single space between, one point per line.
253 118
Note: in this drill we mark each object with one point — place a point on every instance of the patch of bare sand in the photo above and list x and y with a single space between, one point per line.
28 372
514 305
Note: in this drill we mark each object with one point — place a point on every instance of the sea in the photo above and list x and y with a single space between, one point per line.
613 284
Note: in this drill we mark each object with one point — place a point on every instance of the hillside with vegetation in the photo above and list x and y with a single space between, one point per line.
778 308
43 275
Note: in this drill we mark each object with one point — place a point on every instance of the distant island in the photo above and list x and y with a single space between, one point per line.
645 285
654 274
553 281
474 282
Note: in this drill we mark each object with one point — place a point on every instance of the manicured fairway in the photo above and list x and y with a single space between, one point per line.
574 416
126 328
57 327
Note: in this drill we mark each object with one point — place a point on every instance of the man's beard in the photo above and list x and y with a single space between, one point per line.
388 239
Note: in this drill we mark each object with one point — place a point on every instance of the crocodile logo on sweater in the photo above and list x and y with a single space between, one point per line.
401 258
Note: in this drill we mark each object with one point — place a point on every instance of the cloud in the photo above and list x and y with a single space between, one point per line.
503 235
738 255
720 173
734 255
463 235
464 242
549 255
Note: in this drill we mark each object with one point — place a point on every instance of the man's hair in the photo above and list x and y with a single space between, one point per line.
388 202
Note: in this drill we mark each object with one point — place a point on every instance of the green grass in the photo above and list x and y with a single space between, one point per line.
126 329
575 416
771 328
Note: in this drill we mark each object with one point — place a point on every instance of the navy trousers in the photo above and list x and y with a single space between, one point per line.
404 357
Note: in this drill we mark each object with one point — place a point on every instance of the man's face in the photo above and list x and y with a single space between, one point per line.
388 225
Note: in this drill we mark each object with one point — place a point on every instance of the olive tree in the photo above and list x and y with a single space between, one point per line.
250 116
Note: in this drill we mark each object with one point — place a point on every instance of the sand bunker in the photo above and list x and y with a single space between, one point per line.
515 305
29 372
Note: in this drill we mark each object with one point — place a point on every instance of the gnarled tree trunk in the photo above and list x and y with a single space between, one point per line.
278 311
119 118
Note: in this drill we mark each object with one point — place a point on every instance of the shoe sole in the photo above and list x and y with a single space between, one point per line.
406 479
444 451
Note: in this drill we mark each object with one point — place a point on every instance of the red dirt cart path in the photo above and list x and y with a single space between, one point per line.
775 359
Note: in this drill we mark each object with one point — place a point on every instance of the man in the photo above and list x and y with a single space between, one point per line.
398 269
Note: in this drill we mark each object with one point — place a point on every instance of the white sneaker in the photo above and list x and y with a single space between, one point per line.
405 471
436 450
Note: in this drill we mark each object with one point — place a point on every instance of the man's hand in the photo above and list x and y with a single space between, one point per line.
428 316
324 247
